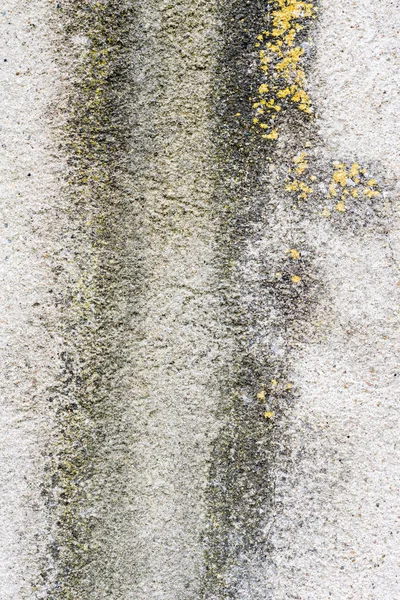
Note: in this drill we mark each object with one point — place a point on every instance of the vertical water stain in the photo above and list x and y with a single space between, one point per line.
273 186
92 45
264 308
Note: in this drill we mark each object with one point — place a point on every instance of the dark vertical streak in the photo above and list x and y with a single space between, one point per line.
91 443
259 311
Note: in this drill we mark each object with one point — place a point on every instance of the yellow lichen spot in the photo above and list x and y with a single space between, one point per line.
313 178
371 182
305 188
271 136
340 206
354 170
296 185
340 176
261 395
283 93
371 193
278 275
296 279
289 38
332 191
326 213
354 193
238 114
301 163
255 121
274 383
281 59
268 414
295 254
293 186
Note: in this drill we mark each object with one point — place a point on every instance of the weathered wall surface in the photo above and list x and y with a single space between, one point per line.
338 537
199 316
29 351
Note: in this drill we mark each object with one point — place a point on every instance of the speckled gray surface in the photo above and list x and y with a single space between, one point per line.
190 409
29 185
338 534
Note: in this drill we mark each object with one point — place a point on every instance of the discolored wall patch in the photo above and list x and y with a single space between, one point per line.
280 195
92 45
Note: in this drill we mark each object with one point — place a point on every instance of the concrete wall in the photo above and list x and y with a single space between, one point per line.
199 300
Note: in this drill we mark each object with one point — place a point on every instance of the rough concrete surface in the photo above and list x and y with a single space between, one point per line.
199 300
339 534
29 185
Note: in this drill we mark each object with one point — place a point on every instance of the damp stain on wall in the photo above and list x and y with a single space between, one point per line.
276 182
91 46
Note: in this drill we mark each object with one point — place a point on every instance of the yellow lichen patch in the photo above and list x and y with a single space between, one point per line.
371 193
263 89
332 191
350 181
301 163
283 93
296 279
281 61
268 414
340 206
354 170
326 213
295 254
340 176
271 136
286 15
299 186
261 395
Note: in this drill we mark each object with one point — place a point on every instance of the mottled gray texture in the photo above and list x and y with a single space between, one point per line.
356 80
